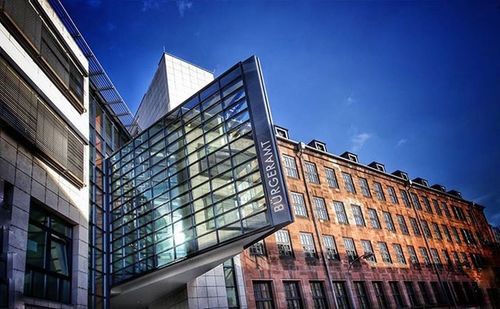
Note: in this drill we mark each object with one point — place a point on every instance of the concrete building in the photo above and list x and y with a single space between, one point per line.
364 237
174 81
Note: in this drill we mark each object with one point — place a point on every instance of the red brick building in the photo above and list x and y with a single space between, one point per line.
363 237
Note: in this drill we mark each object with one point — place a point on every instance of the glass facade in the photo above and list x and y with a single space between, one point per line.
205 174
106 136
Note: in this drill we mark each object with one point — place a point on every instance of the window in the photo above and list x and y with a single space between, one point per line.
468 237
349 185
402 225
290 167
437 209
378 288
447 259
367 249
455 234
388 221
319 204
384 252
414 225
331 248
459 214
405 198
379 192
426 229
399 253
363 299
311 172
392 195
424 290
341 295
446 232
263 294
340 212
446 210
427 204
477 260
307 241
292 295
331 178
416 201
365 189
358 215
425 254
318 295
435 257
48 256
372 213
411 294
230 281
438 294
298 204
350 249
465 260
437 231
283 243
413 255
258 249
396 294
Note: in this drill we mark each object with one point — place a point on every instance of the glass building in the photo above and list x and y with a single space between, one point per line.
203 181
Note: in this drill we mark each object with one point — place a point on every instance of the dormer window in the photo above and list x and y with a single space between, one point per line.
401 174
320 146
353 157
378 166
281 132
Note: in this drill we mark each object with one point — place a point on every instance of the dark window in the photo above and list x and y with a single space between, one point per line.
392 194
349 185
446 210
402 225
396 294
426 229
437 208
424 290
341 295
459 214
379 192
231 287
48 256
425 254
368 248
455 233
438 294
416 201
437 231
258 249
292 295
311 173
378 288
405 198
365 189
427 204
318 295
331 178
411 294
363 299
446 232
263 295
414 226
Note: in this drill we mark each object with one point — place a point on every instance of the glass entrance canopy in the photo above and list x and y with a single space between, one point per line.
204 177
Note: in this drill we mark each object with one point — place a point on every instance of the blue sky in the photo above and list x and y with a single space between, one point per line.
414 85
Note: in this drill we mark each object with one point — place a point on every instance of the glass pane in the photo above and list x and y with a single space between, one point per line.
59 257
36 246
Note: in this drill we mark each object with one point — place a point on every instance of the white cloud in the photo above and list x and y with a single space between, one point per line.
401 142
150 4
183 6
359 140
